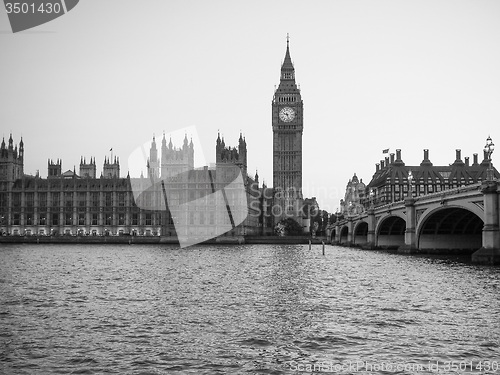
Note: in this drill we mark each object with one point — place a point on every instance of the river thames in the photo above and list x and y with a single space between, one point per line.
249 309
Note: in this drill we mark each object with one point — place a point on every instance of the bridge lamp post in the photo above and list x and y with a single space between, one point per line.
410 188
488 149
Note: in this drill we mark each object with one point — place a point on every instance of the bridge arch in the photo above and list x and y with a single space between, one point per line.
360 233
333 236
390 232
344 235
457 229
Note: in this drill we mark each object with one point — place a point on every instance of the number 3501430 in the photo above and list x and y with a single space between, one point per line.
25 8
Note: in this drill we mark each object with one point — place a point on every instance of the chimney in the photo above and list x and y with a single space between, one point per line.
386 161
467 161
426 160
382 164
377 167
392 158
475 159
458 162
398 161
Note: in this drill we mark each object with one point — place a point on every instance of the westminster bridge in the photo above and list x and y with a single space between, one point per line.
463 220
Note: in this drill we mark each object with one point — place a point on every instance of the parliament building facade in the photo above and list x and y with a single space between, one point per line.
173 197
67 203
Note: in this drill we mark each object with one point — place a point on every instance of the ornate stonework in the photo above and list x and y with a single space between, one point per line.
287 123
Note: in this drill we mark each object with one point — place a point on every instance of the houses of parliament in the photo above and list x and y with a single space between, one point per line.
174 198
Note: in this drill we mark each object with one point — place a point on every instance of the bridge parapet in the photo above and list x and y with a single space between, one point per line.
389 207
441 197
459 192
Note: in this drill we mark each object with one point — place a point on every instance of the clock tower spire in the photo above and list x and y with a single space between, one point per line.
287 123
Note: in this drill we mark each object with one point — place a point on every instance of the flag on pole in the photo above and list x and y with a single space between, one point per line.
111 149
386 151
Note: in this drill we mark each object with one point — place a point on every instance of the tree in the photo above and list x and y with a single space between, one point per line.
288 227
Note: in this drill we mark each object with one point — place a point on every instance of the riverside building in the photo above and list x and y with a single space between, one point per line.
393 180
70 203
173 196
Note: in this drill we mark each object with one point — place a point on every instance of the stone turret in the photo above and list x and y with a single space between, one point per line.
232 155
11 161
176 160
54 169
153 161
88 170
111 168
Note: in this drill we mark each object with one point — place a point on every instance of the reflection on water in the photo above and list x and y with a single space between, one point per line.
238 309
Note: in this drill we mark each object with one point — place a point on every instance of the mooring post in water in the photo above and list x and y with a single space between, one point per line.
323 242
309 244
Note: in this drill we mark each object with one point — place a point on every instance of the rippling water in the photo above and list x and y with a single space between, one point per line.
239 309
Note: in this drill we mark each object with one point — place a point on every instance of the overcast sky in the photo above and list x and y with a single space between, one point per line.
373 74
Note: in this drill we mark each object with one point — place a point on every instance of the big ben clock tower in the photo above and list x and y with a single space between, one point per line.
287 118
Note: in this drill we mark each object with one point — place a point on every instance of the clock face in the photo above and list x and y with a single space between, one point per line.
287 114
